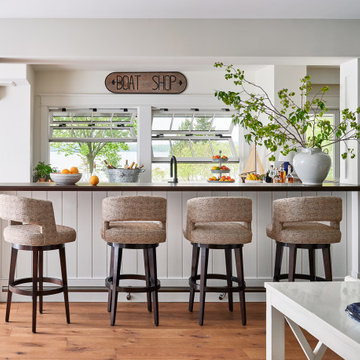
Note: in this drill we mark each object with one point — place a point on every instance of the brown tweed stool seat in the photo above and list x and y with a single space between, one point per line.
133 222
298 224
32 228
218 223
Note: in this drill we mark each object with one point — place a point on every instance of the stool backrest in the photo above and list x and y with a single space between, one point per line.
218 209
28 211
309 208
134 208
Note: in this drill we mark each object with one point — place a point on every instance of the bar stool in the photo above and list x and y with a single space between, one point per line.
218 223
133 222
32 228
296 225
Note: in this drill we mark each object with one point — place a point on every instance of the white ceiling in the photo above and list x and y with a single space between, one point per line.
216 9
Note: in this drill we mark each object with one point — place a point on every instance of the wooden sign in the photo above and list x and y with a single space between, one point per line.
146 82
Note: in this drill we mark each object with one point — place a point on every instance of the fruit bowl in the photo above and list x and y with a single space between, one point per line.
65 179
253 181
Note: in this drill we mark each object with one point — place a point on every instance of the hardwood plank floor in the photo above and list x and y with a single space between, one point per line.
89 336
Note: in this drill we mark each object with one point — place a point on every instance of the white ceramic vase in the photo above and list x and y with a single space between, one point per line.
312 165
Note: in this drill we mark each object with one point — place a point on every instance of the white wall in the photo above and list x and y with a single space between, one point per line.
15 124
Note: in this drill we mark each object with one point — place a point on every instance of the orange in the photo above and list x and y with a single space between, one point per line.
74 170
65 171
94 180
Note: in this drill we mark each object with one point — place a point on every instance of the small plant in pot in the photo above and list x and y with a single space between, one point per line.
42 172
302 128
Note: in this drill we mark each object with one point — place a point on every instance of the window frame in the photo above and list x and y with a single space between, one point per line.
191 135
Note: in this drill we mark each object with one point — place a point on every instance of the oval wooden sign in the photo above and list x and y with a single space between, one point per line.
146 82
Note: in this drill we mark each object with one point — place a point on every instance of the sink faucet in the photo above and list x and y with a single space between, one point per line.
173 174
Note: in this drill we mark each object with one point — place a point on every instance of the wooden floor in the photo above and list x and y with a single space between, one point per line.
179 336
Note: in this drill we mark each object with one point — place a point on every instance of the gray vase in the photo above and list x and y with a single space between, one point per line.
312 165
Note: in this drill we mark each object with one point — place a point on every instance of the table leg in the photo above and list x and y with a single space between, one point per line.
275 332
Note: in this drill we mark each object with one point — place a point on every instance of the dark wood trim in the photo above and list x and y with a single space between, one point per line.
332 187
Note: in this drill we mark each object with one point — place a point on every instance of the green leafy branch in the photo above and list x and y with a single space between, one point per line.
287 125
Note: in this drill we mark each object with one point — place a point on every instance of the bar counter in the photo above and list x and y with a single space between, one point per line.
79 206
326 187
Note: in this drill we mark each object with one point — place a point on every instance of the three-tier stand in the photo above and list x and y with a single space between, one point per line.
219 173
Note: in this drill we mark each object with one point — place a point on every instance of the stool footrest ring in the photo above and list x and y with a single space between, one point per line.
298 276
13 286
132 289
195 286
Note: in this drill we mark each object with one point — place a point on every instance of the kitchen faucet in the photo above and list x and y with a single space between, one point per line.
173 170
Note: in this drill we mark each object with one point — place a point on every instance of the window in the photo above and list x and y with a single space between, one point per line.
333 150
85 138
193 137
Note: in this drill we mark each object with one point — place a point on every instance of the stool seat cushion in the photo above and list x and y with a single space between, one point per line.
135 232
31 235
224 233
305 233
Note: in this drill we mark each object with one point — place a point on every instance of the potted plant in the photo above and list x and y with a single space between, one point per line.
301 128
42 172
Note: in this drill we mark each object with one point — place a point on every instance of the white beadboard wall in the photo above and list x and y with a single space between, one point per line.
88 257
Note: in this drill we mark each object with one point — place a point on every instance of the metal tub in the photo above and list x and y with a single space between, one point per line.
123 175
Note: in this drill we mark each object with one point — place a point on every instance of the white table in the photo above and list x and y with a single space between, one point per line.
317 307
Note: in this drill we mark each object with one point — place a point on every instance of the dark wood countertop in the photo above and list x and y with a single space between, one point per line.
329 187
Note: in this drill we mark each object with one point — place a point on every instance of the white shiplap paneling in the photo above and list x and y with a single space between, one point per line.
88 257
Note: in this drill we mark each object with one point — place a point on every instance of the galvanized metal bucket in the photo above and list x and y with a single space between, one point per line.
123 175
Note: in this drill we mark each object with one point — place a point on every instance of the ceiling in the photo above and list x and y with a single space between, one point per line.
210 9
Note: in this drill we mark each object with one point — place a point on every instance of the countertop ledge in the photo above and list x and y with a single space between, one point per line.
326 187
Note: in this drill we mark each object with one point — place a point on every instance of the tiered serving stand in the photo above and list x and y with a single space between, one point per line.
219 173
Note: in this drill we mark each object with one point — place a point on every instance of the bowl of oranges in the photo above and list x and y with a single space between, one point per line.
66 176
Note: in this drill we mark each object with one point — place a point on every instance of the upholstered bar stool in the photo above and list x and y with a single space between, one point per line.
218 223
32 228
297 224
133 222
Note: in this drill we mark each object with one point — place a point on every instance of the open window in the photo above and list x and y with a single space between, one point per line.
193 137
86 137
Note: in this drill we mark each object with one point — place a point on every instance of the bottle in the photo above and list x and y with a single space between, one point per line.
126 166
290 178
282 174
271 174
276 178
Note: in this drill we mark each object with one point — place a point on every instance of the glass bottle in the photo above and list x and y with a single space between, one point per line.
290 177
282 174
276 178
271 173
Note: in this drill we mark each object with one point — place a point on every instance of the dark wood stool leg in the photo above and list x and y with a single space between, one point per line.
110 275
312 264
148 277
278 260
34 289
11 279
115 281
203 279
327 263
64 281
41 273
194 268
228 277
240 275
154 279
292 262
